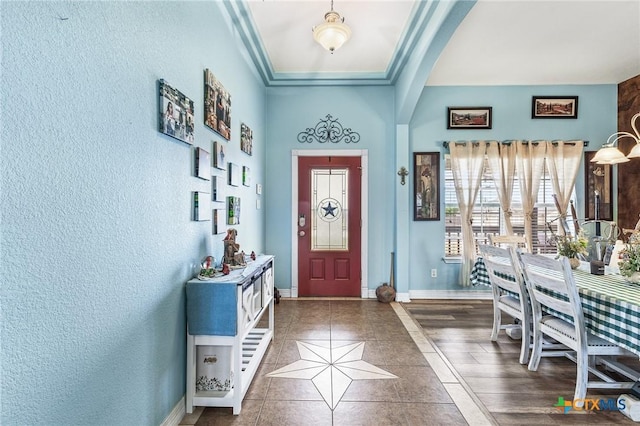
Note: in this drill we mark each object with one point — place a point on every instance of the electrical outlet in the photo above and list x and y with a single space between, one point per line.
434 273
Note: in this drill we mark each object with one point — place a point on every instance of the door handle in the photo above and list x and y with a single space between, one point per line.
302 233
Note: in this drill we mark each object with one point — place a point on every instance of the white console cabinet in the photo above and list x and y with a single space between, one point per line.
223 337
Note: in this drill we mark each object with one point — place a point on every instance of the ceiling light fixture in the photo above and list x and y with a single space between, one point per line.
333 32
609 154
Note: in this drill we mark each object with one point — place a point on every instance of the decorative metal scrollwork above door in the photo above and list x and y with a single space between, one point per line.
328 130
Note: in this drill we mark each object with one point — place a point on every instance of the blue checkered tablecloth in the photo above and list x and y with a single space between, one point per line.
611 308
479 273
610 304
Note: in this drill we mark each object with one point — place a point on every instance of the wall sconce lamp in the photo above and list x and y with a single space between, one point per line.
609 154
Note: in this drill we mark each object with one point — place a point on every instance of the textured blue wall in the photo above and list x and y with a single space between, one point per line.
597 119
366 110
97 237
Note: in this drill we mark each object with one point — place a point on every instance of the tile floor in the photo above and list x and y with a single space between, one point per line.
350 362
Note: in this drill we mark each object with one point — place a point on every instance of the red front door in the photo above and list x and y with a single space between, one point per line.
329 226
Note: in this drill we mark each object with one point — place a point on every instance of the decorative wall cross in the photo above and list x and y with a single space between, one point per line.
403 172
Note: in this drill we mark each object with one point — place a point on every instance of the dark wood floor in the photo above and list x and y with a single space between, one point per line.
460 329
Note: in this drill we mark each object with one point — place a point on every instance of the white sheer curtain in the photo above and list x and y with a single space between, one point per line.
502 161
563 161
467 163
530 157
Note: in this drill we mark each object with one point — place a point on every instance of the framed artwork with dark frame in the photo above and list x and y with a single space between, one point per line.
469 117
554 107
597 180
426 186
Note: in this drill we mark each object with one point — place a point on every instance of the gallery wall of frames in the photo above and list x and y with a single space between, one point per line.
177 115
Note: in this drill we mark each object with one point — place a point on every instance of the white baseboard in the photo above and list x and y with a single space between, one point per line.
425 294
439 294
403 297
285 292
176 415
451 294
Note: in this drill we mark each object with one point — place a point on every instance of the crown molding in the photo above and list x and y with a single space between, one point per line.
241 20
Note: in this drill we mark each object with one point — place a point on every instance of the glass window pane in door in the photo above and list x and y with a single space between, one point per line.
329 210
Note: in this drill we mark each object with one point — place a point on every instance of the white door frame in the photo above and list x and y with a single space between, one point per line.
364 211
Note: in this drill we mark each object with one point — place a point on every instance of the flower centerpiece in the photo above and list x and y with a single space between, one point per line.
572 247
630 263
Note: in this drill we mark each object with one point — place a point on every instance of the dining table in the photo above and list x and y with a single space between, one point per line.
611 304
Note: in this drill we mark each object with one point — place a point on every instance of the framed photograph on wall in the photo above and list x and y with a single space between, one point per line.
203 164
426 186
234 174
201 206
469 117
217 106
246 139
217 188
554 107
597 180
246 176
218 221
176 113
218 158
233 210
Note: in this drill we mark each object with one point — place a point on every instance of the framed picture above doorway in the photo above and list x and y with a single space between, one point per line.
554 107
469 117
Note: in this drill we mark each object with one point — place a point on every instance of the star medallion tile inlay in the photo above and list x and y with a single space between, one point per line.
331 370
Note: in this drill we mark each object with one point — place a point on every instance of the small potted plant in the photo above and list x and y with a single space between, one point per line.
572 247
630 263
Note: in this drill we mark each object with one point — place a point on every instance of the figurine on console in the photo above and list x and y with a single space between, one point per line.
232 254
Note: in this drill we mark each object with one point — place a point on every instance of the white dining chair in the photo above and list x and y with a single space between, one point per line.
557 313
516 241
509 293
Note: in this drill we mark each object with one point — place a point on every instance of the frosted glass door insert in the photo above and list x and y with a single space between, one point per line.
329 209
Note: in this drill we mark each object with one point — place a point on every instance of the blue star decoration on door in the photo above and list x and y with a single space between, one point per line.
329 210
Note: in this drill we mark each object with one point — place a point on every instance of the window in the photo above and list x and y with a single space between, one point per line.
487 214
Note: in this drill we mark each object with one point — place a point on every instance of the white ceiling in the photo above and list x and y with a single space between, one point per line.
515 42
285 28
